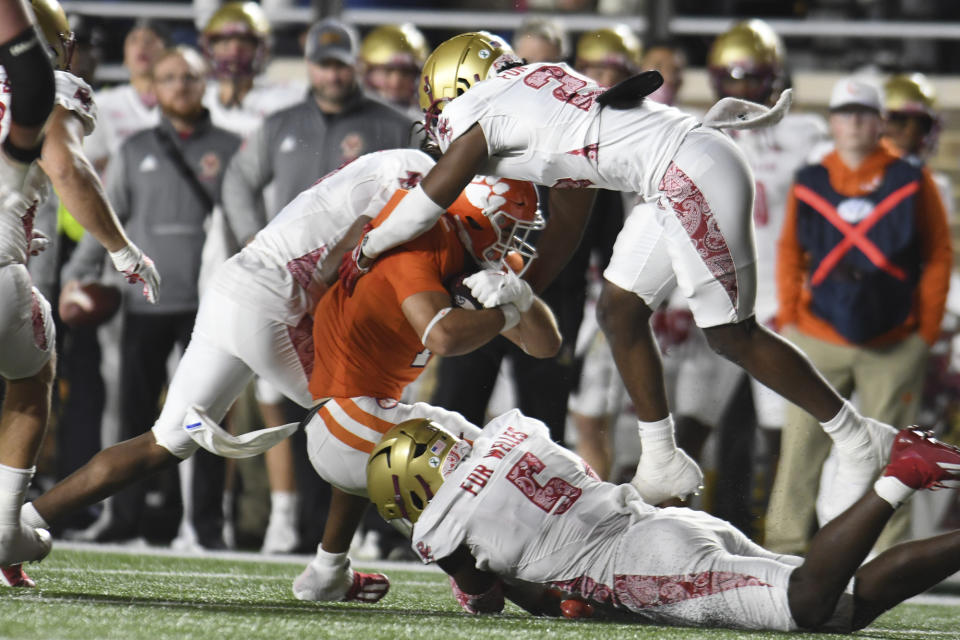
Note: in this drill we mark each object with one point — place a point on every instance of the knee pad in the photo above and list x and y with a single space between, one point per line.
32 86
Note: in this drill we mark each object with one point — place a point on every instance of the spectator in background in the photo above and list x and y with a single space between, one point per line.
390 60
333 125
541 39
912 126
863 267
128 108
163 184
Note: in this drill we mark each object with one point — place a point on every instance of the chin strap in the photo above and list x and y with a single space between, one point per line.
734 113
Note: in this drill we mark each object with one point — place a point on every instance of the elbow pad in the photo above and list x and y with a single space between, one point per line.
30 74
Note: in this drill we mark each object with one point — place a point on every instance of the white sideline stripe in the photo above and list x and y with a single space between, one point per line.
242 556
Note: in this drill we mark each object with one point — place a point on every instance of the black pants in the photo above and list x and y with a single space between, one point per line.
147 341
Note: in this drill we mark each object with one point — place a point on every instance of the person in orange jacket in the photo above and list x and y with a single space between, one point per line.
863 269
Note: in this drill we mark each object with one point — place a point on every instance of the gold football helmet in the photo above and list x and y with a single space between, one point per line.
404 469
395 45
614 46
911 96
750 50
458 64
910 93
237 19
56 31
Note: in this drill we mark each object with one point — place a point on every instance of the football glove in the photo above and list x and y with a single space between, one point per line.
38 242
494 288
138 267
350 269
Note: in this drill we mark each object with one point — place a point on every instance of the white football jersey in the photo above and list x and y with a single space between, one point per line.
262 100
122 113
524 506
18 209
274 271
542 124
775 154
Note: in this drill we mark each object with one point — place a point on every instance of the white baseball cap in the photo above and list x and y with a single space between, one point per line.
856 91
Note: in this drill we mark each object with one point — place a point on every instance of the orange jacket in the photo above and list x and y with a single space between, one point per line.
793 292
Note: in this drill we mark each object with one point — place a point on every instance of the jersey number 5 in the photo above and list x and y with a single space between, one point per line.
548 496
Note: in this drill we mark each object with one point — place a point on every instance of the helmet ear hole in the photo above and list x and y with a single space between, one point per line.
416 501
418 450
473 223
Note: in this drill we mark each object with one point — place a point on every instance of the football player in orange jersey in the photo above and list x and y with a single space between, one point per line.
373 343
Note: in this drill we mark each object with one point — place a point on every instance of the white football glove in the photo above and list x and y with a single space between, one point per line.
494 288
138 267
38 242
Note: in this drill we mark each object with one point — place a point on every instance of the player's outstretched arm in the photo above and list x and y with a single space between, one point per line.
422 206
76 182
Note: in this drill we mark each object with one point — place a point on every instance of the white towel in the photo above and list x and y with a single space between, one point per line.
209 435
734 113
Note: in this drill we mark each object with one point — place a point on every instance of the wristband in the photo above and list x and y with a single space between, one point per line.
511 316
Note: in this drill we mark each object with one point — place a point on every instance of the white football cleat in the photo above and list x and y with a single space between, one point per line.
323 584
21 543
856 470
675 475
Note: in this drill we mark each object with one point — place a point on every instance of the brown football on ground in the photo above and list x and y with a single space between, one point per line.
89 304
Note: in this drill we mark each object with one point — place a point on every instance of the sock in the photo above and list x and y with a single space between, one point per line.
13 487
657 437
892 490
330 561
32 518
846 429
283 506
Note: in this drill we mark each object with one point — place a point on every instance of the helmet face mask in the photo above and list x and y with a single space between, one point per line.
245 21
616 46
455 66
912 121
406 469
55 29
494 218
747 61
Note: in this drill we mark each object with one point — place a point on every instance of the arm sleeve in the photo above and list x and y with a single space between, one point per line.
790 267
938 259
247 174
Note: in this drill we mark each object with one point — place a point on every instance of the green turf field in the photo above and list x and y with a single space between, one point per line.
92 594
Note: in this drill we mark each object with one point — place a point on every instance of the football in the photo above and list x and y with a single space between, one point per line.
460 294
88 304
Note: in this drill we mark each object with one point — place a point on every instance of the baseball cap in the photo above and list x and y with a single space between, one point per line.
331 39
856 92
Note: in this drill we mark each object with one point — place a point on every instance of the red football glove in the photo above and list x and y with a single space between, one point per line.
350 269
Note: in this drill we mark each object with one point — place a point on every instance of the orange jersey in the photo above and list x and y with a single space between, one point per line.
363 344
